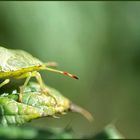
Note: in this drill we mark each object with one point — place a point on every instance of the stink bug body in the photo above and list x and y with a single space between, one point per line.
19 64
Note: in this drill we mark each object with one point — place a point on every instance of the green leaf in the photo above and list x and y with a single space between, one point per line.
12 112
35 104
109 132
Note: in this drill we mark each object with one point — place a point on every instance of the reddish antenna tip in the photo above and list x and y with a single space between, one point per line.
75 77
68 74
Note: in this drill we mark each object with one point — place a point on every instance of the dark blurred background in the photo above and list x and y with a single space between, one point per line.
99 42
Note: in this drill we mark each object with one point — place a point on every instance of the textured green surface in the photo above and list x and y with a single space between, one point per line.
13 60
34 105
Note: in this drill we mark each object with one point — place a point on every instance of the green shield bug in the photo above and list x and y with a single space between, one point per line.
20 64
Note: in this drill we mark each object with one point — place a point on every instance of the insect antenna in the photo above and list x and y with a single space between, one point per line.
51 64
83 112
62 72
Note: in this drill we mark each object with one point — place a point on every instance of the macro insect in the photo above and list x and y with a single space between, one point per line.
19 64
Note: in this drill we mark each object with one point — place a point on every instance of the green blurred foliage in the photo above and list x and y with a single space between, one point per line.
23 132
109 132
98 41
13 132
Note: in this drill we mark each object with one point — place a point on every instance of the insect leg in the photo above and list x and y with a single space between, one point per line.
38 78
28 75
41 83
6 81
